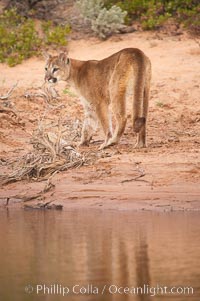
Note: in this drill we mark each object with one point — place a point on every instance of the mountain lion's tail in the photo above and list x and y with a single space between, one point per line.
142 72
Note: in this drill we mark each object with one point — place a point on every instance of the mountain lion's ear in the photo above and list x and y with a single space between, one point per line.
46 55
63 58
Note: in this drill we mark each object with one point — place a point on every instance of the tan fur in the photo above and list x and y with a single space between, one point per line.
102 86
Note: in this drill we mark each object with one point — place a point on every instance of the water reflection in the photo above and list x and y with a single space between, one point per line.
142 266
97 248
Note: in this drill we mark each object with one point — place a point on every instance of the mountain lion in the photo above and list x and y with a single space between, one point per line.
102 86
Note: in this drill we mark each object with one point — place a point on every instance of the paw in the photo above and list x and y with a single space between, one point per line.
140 145
102 146
110 142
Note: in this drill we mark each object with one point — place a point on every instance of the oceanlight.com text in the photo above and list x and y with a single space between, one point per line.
112 289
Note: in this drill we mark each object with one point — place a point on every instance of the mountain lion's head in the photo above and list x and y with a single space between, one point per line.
57 68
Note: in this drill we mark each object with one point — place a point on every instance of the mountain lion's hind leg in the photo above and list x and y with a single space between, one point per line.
104 118
119 112
140 129
140 122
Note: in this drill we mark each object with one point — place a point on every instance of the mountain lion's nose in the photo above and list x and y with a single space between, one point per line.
52 79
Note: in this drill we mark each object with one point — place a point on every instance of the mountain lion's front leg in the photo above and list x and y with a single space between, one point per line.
89 127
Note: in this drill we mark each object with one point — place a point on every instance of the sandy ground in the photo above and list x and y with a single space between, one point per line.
171 163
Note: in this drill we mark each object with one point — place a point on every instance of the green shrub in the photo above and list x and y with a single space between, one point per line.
20 40
134 8
153 13
55 35
108 21
103 21
190 19
154 17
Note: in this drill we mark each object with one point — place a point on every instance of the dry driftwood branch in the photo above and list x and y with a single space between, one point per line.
46 205
8 94
138 177
49 185
31 197
26 198
51 154
47 92
3 109
134 179
22 197
58 139
53 151
7 110
11 112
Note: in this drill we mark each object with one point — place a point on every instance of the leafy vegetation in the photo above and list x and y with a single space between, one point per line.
20 40
104 21
55 35
153 13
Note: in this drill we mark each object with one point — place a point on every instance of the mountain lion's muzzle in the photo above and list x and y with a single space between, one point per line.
50 79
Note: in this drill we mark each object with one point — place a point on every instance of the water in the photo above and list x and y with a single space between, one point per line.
97 248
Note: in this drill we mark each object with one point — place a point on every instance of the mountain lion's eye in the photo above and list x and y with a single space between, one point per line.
46 68
55 69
